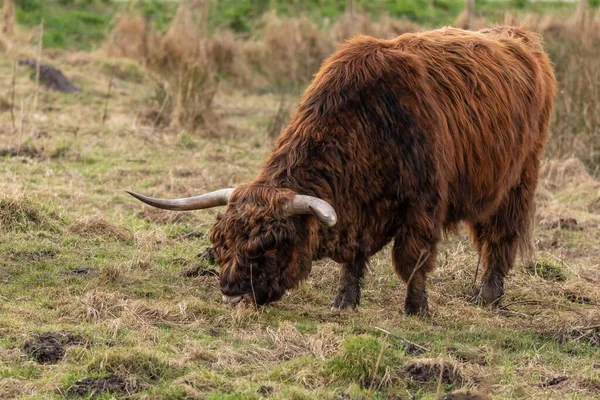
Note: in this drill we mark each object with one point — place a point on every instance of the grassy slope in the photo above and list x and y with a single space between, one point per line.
64 209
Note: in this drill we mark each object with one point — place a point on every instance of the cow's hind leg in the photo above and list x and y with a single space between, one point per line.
413 257
499 237
348 296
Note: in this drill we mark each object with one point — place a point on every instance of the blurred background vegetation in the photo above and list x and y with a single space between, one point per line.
192 48
83 24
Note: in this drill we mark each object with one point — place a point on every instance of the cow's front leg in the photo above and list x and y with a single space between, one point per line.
348 295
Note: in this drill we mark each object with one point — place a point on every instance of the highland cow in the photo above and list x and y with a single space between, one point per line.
393 140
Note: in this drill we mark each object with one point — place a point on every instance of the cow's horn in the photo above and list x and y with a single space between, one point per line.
208 200
321 209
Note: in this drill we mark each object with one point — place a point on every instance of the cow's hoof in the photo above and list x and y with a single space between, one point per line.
421 312
344 302
416 304
416 308
489 295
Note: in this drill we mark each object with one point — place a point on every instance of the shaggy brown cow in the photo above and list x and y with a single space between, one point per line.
404 138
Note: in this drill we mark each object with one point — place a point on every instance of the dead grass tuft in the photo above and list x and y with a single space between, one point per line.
8 17
138 365
96 226
290 343
11 388
559 174
129 38
352 24
98 304
150 240
25 213
180 62
293 50
197 384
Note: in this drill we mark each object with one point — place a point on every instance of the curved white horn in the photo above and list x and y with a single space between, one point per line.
208 200
321 209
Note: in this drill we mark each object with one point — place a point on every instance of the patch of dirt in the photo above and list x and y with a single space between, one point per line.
83 271
429 371
557 380
22 151
468 395
575 298
567 224
92 387
213 332
413 349
265 390
195 270
49 347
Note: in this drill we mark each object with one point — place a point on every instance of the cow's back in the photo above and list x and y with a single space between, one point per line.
492 92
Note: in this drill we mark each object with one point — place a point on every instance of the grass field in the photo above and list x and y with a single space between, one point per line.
99 292
103 297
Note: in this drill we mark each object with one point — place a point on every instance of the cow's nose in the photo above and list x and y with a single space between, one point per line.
232 299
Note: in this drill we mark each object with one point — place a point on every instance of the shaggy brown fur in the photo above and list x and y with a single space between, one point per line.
405 138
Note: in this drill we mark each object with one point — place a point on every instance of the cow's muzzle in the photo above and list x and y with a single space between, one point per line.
231 299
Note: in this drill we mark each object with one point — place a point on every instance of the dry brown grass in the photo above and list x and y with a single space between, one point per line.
97 226
129 38
289 343
180 61
293 49
385 27
288 51
560 174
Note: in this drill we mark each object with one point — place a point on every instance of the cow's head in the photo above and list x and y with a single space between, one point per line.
262 243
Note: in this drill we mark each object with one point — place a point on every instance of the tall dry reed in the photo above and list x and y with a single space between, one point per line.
181 61
8 17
